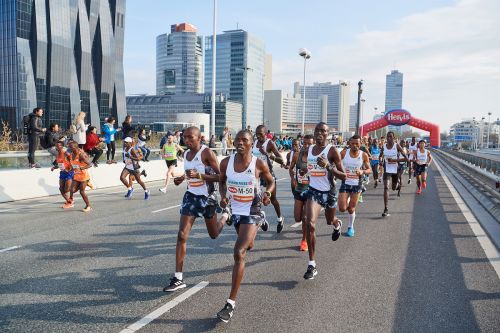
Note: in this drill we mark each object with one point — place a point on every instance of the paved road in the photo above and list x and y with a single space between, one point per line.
420 270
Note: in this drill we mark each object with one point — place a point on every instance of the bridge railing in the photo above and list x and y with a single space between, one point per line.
484 163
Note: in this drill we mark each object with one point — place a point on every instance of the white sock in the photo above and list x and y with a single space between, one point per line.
230 301
312 263
129 188
178 275
352 217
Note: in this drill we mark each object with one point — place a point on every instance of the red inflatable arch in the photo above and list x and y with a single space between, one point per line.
401 117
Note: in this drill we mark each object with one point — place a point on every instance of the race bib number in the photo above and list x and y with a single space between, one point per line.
75 166
351 173
314 169
241 191
61 166
169 155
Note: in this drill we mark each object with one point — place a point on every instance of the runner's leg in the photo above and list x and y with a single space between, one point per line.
185 226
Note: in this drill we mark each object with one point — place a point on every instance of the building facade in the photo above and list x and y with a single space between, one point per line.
394 96
283 112
179 61
240 72
62 56
338 101
149 109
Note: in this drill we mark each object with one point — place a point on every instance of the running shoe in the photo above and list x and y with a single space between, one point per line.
95 164
424 184
175 284
146 195
87 209
303 246
129 193
350 232
375 184
91 185
386 213
310 273
68 205
336 232
409 181
143 172
360 198
419 191
109 162
71 200
264 224
280 225
163 190
226 313
227 214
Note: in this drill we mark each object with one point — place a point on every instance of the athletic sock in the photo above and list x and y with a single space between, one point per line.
178 275
312 263
352 217
230 301
129 188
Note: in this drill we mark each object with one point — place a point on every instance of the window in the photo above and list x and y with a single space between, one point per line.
169 77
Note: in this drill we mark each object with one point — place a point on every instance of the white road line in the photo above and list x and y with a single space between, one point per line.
9 248
296 225
489 248
168 208
278 180
164 308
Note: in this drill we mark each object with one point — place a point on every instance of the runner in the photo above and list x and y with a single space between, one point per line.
295 149
402 165
266 150
169 153
381 165
79 162
196 199
131 158
239 186
423 159
389 154
375 151
412 147
323 163
65 175
300 184
356 165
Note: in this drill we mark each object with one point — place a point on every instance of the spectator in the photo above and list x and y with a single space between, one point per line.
51 137
79 129
141 143
127 128
223 139
203 140
109 138
35 129
92 145
211 143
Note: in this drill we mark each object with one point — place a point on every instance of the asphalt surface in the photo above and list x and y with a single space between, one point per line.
419 270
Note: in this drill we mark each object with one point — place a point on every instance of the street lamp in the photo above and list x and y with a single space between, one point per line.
481 132
489 125
304 53
360 91
214 62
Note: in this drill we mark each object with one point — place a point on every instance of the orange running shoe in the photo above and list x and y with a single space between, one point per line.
419 191
68 205
303 246
424 184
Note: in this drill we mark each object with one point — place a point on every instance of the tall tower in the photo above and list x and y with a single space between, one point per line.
394 94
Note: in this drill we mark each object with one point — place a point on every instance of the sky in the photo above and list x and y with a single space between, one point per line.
448 50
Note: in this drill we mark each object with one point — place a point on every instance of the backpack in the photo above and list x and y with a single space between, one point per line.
44 141
26 124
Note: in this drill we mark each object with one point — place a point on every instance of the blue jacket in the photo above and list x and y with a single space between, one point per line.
109 131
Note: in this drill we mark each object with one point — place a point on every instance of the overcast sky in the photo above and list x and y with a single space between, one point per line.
449 51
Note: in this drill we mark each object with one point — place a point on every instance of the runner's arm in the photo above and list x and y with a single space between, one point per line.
264 173
276 157
208 157
367 169
85 159
222 182
402 152
381 156
335 160
429 158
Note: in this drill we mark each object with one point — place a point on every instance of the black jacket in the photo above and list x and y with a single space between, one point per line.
51 138
36 126
127 130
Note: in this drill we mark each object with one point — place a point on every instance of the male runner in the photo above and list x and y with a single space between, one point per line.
300 183
322 191
375 151
66 174
79 162
389 154
239 186
295 149
131 158
266 150
196 199
381 165
402 165
423 159
412 147
356 165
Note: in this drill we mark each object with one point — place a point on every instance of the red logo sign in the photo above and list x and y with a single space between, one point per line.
398 117
232 189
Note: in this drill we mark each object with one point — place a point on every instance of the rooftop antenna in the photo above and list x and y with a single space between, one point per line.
236 25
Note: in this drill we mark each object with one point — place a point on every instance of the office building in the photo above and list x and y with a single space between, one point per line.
268 72
62 56
394 96
240 72
179 61
283 112
338 101
149 109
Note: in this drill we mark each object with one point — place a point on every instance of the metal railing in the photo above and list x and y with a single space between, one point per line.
485 163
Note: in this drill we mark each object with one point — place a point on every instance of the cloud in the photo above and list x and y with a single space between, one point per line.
450 58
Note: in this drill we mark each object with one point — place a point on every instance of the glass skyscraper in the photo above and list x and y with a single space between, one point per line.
63 56
179 61
394 96
239 72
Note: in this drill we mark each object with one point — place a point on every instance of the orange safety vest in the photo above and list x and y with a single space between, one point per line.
76 164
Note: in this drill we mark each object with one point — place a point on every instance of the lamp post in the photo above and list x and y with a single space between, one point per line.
489 125
304 53
481 129
214 62
360 91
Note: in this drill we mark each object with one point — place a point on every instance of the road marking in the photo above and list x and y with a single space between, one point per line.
168 208
489 248
164 308
9 248
278 180
296 225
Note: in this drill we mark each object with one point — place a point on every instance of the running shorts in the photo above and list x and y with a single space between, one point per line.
197 206
392 176
132 172
171 162
327 199
345 188
298 195
420 169
243 219
66 175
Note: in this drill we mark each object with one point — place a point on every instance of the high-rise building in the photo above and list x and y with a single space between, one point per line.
338 101
283 112
63 56
239 72
179 61
394 95
268 72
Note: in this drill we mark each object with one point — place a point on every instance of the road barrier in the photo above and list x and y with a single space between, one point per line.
484 163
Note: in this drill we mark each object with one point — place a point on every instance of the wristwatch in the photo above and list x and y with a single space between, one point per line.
269 194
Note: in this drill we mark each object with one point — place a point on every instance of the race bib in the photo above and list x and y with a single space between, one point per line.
61 166
314 169
241 191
